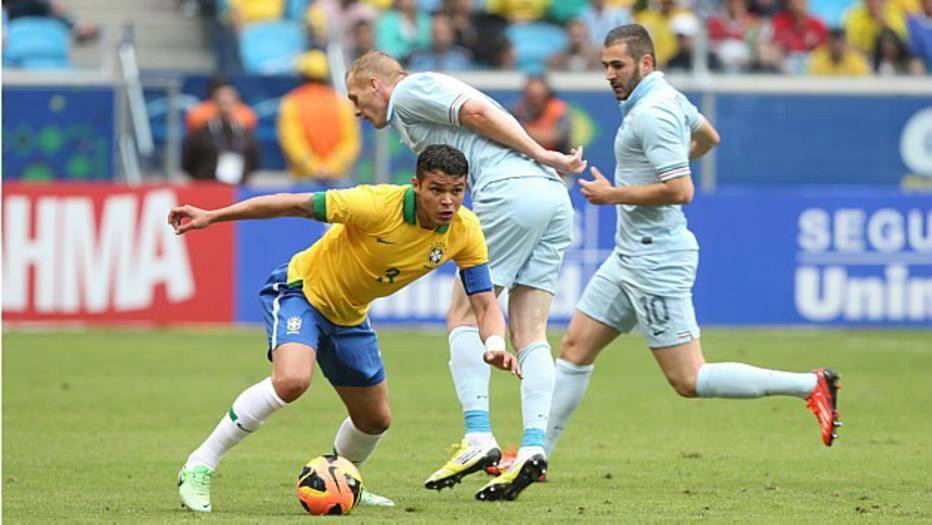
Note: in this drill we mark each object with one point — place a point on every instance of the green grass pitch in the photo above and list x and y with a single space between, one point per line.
96 425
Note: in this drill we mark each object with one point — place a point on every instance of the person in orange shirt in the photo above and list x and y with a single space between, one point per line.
545 117
199 115
317 128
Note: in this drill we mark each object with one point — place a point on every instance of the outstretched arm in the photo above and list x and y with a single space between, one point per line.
492 122
186 218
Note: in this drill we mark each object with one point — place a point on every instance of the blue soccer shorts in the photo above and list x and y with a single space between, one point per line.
347 355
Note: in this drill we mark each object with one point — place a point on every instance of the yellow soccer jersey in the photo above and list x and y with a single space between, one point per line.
377 248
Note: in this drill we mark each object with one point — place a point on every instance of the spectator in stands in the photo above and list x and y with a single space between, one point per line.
890 54
317 128
363 40
796 33
837 57
52 9
765 8
920 38
733 35
222 149
199 115
402 29
580 54
865 22
657 19
337 21
443 54
600 18
685 27
244 12
518 11
480 32
545 117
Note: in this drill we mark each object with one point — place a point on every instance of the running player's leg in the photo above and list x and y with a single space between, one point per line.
685 368
581 344
291 331
604 311
350 359
548 225
478 448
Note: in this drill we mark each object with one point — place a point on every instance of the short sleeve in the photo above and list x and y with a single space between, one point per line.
694 119
474 252
666 143
359 206
428 97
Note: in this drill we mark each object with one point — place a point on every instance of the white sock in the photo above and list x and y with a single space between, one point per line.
354 444
568 390
248 413
471 377
738 380
536 392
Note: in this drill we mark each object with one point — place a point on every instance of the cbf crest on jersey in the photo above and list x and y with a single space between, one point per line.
436 254
294 324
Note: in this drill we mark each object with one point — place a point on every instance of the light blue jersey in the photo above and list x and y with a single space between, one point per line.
652 145
424 109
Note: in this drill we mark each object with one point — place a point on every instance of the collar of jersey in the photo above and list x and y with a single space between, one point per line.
647 83
409 210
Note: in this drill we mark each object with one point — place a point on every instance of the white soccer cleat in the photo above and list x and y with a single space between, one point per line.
374 500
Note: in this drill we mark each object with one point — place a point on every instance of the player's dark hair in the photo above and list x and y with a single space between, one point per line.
440 157
636 37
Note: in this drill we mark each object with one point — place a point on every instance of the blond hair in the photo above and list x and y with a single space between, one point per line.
375 64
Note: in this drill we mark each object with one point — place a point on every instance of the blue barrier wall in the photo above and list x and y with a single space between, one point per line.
768 139
850 258
58 133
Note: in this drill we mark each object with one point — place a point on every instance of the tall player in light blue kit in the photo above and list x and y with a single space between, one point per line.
526 216
647 280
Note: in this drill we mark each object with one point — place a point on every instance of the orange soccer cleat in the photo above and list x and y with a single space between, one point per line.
505 463
823 401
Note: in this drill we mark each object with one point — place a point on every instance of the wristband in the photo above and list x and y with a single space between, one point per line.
495 343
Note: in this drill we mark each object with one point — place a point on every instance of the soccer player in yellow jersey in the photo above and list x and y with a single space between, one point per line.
316 305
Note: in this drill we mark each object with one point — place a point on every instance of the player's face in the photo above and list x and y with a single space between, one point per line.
369 100
622 70
439 197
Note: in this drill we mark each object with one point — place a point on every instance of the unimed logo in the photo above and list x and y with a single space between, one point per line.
91 260
860 265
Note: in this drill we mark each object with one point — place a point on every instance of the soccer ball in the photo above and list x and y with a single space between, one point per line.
329 485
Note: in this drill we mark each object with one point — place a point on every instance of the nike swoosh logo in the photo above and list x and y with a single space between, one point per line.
382 241
658 332
333 474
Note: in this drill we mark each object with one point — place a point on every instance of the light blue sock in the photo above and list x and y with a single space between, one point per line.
470 377
738 380
568 391
536 391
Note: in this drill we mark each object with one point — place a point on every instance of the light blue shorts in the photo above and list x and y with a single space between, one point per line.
653 292
528 224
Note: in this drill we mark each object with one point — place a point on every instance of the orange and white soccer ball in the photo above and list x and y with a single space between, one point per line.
329 485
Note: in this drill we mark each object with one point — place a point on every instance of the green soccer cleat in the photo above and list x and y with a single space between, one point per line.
466 460
374 500
194 488
510 483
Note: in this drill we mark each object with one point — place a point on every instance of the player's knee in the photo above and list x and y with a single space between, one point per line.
290 386
376 422
573 350
684 386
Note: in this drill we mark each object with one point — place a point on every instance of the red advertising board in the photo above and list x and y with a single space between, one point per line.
105 253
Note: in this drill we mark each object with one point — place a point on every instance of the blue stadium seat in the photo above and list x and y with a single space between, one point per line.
295 9
534 43
270 48
37 43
